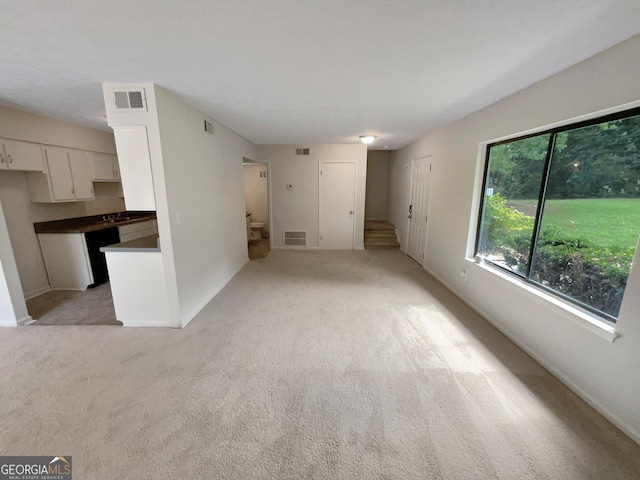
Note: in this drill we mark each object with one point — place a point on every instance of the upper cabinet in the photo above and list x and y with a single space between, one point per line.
105 167
22 156
137 179
68 177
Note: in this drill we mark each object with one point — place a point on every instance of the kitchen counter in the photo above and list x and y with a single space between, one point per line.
92 223
150 243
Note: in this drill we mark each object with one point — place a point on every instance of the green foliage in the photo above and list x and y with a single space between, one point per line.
565 261
591 274
601 221
502 223
597 161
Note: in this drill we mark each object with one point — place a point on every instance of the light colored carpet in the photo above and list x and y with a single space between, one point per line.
308 365
93 306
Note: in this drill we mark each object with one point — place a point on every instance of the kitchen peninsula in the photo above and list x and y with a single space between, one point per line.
137 282
71 247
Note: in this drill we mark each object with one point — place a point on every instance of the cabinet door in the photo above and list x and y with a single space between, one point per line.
105 167
59 174
116 169
67 260
4 165
82 174
23 156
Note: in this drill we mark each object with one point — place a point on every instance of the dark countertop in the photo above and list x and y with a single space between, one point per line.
92 223
144 244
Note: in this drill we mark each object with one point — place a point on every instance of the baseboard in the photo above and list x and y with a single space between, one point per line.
375 219
359 248
25 320
592 402
147 324
187 319
36 293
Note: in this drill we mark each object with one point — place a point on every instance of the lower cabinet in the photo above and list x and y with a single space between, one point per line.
74 261
138 230
66 258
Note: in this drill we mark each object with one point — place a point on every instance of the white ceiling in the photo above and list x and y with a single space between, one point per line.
300 71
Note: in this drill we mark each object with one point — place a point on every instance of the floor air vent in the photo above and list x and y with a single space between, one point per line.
295 239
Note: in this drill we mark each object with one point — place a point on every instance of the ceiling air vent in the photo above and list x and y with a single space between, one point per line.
302 151
208 127
133 100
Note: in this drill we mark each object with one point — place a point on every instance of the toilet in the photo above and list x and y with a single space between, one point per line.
256 230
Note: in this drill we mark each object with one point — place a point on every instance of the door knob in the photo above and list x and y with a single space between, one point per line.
351 212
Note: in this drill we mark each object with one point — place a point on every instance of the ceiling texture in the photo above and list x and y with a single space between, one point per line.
300 71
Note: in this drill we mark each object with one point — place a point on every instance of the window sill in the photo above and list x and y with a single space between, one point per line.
573 313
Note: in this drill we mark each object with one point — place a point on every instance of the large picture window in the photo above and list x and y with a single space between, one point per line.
561 209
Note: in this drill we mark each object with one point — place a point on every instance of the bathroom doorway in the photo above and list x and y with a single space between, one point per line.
256 199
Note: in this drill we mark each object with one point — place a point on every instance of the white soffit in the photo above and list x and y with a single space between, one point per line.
296 72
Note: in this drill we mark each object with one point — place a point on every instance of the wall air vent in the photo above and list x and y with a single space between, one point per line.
302 151
295 239
133 100
208 127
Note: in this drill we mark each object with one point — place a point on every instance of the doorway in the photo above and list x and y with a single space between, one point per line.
418 215
256 200
337 204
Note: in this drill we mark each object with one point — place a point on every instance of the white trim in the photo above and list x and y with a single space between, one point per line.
146 324
577 315
37 292
568 121
26 320
601 409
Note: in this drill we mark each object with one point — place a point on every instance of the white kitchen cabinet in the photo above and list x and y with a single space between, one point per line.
67 260
67 177
135 167
21 156
138 230
81 174
105 167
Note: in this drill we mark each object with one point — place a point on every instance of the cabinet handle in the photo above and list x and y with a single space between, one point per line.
10 159
73 191
1 158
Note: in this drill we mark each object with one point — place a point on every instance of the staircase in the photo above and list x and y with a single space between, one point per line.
380 235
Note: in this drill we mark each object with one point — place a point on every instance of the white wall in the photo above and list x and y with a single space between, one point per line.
377 179
256 193
203 181
12 306
297 209
21 214
604 373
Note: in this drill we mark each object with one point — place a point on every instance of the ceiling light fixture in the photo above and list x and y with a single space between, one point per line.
367 139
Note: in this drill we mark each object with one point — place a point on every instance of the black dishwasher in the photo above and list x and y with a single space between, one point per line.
95 240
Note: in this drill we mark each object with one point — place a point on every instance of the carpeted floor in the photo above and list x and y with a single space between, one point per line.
308 365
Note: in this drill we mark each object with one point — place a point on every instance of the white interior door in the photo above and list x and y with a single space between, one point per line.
418 209
337 205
